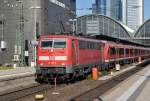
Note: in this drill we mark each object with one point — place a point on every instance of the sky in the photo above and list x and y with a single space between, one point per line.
88 4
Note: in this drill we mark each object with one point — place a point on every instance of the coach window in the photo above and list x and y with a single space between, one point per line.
142 52
98 46
121 51
127 51
132 52
82 45
112 51
135 52
117 51
88 45
92 45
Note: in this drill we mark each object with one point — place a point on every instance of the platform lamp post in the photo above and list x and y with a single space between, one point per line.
35 33
74 23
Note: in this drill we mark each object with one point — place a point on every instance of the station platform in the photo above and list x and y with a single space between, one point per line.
18 71
135 88
16 78
122 70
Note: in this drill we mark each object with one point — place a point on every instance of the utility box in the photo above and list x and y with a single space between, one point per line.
118 67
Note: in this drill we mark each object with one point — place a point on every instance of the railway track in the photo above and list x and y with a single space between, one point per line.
96 92
23 92
89 95
16 77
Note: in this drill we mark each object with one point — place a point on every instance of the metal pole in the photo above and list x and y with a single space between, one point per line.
73 28
2 29
35 7
34 48
21 33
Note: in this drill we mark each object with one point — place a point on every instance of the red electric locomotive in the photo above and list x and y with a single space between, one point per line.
66 57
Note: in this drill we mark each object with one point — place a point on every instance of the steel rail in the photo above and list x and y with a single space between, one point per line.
21 93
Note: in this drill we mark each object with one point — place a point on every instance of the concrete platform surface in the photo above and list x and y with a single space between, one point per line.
135 88
17 71
16 78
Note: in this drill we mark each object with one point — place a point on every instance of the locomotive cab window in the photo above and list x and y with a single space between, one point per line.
59 43
53 43
46 43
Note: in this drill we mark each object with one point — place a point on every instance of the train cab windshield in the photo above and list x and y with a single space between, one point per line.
46 43
53 43
59 43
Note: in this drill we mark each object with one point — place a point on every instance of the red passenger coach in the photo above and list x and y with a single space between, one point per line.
118 53
66 57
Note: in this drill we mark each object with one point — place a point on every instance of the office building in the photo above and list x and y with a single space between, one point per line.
111 8
100 7
25 19
116 9
133 13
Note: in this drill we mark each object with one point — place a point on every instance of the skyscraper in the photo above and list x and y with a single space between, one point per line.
133 13
100 6
112 8
116 9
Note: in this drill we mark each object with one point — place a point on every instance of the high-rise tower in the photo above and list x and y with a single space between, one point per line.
133 13
116 9
112 8
101 7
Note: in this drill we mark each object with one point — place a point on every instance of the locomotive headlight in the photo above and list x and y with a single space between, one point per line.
52 50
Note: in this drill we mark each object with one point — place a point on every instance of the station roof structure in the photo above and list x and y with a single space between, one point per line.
142 34
95 24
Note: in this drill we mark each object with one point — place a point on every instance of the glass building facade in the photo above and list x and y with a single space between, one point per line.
116 9
101 7
133 13
111 8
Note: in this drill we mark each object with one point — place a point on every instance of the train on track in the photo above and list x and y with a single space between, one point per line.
66 57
